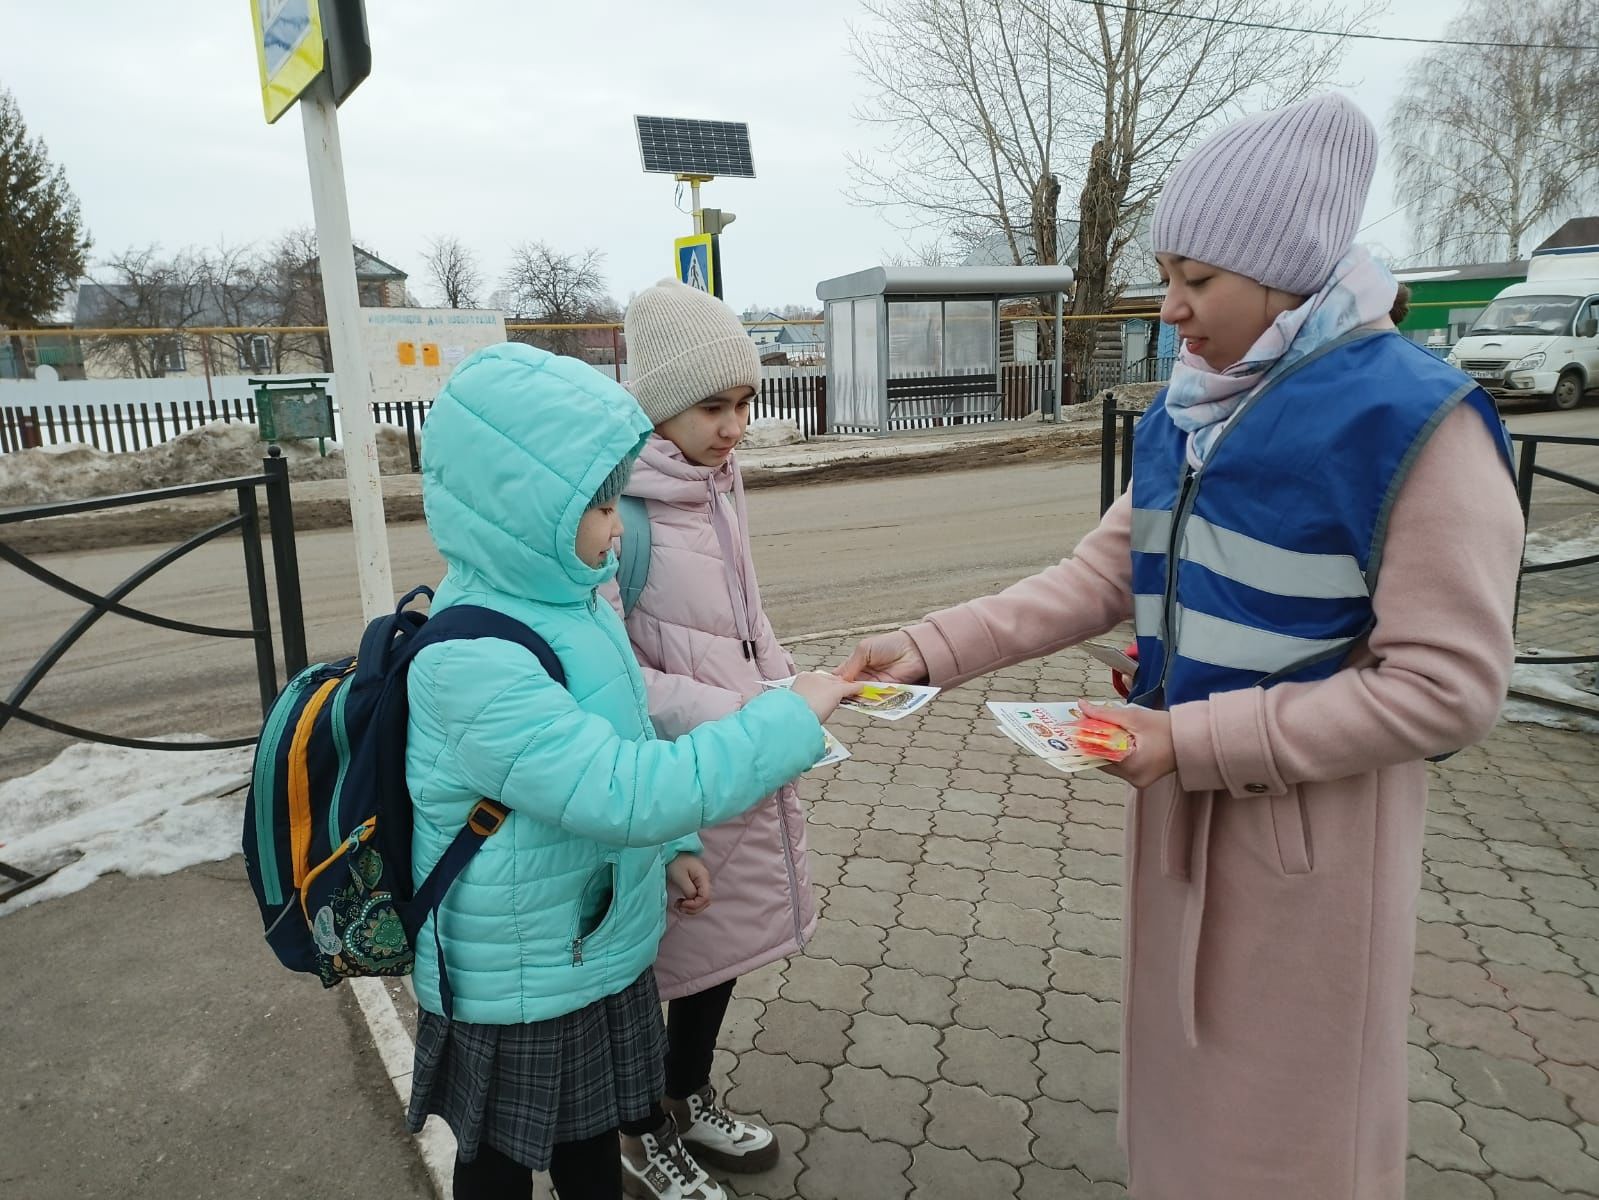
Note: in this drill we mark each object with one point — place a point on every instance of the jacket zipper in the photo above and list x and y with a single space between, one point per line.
604 871
1168 611
793 877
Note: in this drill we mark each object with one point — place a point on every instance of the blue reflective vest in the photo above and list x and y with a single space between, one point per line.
1277 538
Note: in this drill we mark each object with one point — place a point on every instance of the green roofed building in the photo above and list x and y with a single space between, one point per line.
1444 301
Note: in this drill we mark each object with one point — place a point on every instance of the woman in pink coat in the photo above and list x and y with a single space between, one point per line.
705 645
1319 553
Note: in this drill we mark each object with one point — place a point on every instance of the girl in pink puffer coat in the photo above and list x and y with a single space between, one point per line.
705 646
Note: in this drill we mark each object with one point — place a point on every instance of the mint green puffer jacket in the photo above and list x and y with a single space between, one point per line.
567 902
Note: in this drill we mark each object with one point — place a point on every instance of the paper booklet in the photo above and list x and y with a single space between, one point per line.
890 701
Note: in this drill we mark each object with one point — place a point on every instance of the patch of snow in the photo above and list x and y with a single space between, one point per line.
1576 537
219 450
140 812
765 432
1568 682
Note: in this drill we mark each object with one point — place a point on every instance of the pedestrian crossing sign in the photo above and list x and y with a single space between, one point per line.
698 263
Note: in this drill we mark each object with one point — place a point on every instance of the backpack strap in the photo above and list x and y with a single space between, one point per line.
634 558
456 623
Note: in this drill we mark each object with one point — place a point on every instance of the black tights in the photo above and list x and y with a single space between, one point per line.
693 1023
587 1170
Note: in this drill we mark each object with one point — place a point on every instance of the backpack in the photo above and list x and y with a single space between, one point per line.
633 558
328 818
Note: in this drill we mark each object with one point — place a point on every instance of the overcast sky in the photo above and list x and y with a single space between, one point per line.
501 122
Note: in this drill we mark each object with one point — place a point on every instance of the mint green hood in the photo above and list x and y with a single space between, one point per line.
513 450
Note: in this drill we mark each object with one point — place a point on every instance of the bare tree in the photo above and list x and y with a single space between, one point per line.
1494 146
544 285
239 287
934 252
990 109
141 289
454 272
292 288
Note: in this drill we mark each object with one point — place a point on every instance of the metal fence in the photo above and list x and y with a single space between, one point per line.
1527 471
274 478
798 396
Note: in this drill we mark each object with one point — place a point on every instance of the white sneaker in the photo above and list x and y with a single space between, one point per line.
721 1139
664 1170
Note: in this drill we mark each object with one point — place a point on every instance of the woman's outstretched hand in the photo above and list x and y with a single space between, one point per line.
1154 755
886 658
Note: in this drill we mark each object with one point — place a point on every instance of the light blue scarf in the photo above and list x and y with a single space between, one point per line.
1199 398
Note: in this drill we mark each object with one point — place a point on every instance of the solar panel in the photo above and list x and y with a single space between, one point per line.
674 146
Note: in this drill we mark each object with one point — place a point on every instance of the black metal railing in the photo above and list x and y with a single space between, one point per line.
1528 470
1113 483
275 480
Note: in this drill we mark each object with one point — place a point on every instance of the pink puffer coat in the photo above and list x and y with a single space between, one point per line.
705 645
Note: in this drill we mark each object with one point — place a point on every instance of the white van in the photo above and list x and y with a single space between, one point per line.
1540 339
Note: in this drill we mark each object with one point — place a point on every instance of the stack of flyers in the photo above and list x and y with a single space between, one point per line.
1047 731
890 701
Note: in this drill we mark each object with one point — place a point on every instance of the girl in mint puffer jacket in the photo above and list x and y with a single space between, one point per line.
549 933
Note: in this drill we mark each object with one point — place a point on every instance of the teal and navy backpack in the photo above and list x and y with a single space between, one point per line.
328 820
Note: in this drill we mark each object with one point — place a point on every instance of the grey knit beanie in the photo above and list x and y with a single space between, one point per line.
682 346
1276 197
614 483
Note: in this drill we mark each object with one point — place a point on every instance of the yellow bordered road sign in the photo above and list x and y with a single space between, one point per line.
289 48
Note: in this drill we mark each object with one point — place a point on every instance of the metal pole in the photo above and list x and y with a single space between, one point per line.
1107 453
331 207
694 205
1525 471
408 407
285 562
616 353
1127 451
205 357
260 615
1060 364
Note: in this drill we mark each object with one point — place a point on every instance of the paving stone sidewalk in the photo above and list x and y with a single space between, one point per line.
952 1029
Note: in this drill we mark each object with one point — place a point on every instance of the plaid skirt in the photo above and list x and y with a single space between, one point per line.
523 1088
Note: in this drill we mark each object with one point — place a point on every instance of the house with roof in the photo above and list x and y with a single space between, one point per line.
251 311
782 340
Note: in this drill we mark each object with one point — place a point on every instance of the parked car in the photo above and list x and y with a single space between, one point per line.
1539 340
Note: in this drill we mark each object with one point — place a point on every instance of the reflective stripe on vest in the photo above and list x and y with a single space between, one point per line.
1292 597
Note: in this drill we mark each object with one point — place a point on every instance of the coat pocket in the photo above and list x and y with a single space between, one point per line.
596 906
1291 824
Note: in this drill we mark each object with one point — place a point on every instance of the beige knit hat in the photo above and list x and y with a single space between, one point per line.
682 346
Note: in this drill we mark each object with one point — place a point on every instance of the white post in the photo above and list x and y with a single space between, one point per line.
694 204
1060 365
353 390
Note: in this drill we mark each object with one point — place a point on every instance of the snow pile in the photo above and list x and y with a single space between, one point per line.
216 451
764 433
140 812
1570 683
1575 537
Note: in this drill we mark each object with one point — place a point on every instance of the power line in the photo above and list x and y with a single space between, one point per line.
1369 37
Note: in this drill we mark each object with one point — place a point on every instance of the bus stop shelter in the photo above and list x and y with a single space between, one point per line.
917 345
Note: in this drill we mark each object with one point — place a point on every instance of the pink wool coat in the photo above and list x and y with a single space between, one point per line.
699 608
1271 884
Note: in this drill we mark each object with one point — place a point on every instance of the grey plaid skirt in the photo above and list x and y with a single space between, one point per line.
523 1088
